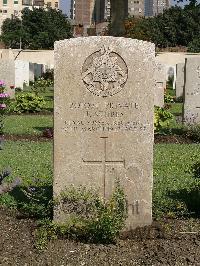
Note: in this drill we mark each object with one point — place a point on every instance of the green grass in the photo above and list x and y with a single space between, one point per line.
176 109
174 186
28 160
27 124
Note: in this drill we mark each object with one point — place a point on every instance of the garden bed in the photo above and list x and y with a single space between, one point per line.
169 242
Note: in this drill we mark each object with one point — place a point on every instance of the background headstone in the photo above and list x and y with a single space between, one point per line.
180 69
7 74
191 97
21 73
103 120
38 70
160 85
31 72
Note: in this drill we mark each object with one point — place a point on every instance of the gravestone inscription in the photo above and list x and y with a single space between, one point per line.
191 114
103 120
180 69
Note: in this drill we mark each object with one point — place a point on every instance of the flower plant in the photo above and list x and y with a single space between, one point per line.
4 101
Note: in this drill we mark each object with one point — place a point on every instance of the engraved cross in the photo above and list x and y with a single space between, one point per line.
104 162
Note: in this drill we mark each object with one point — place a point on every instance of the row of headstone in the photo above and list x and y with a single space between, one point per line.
188 87
26 72
18 73
103 121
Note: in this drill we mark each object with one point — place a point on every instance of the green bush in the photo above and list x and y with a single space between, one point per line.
193 132
162 117
168 98
90 218
41 85
194 46
28 103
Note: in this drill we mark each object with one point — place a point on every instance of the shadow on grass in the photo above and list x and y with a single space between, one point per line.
191 198
34 202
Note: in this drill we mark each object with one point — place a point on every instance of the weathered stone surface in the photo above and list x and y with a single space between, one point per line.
180 69
192 91
160 85
7 74
21 73
103 120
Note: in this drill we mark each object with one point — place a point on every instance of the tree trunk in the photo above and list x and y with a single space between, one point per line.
119 11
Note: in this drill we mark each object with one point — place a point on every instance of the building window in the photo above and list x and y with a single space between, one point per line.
5 2
56 4
48 4
27 2
5 11
15 2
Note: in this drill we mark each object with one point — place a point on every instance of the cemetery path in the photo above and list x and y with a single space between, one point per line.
171 242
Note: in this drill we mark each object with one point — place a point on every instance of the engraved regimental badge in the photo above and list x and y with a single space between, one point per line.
104 72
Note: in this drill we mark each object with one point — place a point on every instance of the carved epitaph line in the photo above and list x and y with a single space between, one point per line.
104 162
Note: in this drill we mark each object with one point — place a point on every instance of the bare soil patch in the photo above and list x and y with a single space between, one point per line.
169 242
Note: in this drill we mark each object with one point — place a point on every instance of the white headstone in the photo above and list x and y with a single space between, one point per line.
21 73
7 74
103 120
180 69
192 91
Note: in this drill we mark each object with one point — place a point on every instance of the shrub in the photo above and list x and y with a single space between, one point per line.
4 103
41 84
162 117
194 46
28 102
193 132
49 75
168 98
90 218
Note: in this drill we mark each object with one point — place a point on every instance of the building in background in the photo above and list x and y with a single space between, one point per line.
136 8
160 6
149 8
13 8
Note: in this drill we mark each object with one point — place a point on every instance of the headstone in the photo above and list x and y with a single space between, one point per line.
180 69
21 73
160 85
174 80
31 72
38 70
7 74
103 120
192 91
7 54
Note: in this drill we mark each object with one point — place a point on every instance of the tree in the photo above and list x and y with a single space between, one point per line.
12 27
175 27
119 11
38 29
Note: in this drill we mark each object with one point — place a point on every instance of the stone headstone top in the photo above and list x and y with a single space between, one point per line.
103 120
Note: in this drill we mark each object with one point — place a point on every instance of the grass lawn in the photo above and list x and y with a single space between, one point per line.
27 124
172 181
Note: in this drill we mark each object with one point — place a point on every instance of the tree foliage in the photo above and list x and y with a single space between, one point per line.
175 27
37 29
